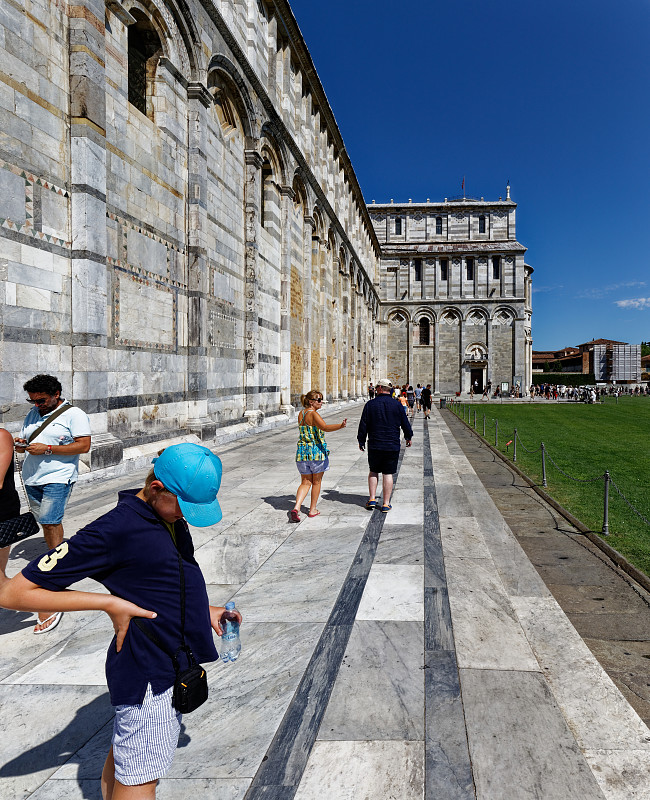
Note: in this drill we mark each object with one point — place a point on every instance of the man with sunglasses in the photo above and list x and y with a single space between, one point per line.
51 465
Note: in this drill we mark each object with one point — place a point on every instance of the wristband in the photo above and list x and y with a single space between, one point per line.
48 450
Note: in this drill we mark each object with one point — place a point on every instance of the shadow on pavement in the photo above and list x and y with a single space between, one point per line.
55 752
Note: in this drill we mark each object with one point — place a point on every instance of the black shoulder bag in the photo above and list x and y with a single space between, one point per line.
24 525
191 684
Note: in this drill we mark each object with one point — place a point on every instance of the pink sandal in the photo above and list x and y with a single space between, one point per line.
294 516
315 514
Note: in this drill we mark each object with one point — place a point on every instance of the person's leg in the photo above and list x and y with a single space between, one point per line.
303 490
4 557
317 479
143 791
387 488
108 777
373 480
53 500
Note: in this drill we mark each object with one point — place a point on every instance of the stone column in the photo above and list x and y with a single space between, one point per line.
344 342
436 355
488 342
90 281
198 421
287 196
323 312
519 351
335 327
253 166
308 230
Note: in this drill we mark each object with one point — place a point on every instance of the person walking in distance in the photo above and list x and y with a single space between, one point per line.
312 454
54 435
425 399
380 423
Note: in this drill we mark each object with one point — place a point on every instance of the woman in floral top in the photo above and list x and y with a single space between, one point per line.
312 453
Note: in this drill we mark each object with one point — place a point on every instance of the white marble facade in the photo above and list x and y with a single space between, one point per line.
183 240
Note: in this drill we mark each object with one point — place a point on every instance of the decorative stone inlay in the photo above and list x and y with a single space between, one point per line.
26 226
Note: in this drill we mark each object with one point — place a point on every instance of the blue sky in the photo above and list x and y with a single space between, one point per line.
553 96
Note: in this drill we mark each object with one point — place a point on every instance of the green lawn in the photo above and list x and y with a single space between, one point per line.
584 441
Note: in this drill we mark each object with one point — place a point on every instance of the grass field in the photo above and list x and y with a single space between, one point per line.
584 441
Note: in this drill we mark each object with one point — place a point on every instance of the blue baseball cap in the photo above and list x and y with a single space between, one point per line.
193 474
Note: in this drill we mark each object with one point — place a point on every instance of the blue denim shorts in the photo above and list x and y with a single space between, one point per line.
313 467
48 501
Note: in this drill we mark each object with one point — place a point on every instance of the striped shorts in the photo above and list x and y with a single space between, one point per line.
145 738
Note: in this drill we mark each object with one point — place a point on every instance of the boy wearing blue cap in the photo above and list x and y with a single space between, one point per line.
141 551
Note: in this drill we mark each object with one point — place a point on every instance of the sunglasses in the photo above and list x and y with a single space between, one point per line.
41 402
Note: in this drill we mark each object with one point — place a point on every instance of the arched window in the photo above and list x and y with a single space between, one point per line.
145 50
496 267
425 331
265 185
481 224
438 225
398 226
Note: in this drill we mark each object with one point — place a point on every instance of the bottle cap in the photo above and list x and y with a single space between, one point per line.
230 606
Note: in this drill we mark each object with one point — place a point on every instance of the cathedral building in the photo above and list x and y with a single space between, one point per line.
455 294
185 244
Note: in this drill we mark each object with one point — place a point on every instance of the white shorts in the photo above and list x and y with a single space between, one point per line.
145 738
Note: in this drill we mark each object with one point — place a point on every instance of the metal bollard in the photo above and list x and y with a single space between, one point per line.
474 419
496 432
606 505
514 451
484 426
544 466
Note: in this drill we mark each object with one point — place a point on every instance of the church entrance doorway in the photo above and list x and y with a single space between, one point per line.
476 377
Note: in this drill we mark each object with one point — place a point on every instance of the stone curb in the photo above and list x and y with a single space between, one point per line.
640 577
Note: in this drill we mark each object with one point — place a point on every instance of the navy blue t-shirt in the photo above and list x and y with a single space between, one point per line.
131 552
381 420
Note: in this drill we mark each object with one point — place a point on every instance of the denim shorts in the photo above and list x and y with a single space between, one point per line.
145 738
313 467
48 501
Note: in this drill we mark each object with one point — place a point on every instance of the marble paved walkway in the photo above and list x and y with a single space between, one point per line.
416 654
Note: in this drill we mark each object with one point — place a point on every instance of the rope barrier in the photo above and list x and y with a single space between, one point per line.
570 477
606 477
627 502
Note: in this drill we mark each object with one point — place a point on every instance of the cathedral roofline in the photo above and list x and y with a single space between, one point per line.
446 204
453 247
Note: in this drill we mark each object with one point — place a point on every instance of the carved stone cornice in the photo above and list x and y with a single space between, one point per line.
197 91
253 158
120 12
287 191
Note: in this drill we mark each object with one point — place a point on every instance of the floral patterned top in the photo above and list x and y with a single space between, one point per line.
311 443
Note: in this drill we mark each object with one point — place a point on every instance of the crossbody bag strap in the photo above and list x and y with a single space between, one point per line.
153 636
63 407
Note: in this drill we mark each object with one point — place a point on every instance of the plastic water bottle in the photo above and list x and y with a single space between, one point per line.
230 642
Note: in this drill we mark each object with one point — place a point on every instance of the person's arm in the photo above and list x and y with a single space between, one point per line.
80 445
317 421
6 453
20 594
362 430
406 427
215 616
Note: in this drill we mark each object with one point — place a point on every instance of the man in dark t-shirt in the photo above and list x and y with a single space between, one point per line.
380 422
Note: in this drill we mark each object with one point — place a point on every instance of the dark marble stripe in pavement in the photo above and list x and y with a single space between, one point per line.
283 765
448 770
